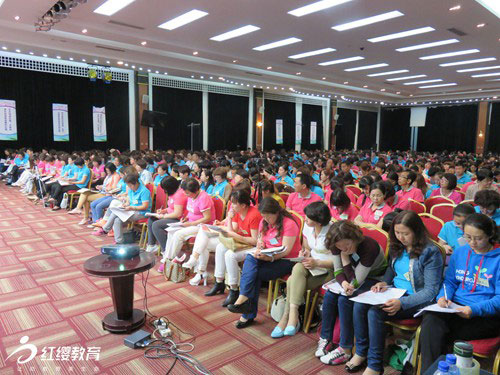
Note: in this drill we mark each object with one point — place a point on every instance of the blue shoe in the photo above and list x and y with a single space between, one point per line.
291 331
277 333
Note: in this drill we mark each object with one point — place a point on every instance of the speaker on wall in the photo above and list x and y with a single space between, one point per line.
145 99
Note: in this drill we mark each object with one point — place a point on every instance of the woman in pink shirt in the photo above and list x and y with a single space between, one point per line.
364 184
448 184
374 212
341 207
277 228
408 191
98 170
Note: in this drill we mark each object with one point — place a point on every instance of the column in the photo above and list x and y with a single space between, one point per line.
482 119
143 99
205 117
259 119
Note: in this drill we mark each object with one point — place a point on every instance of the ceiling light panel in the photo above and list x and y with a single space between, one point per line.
465 62
279 43
478 69
368 21
428 45
433 86
407 77
402 34
316 7
312 53
486 75
388 73
235 33
183 19
422 82
449 54
110 7
341 61
374 66
492 5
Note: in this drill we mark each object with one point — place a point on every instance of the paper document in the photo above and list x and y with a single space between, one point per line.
122 214
272 250
334 287
46 178
318 271
296 260
63 183
214 228
380 298
174 227
452 309
152 214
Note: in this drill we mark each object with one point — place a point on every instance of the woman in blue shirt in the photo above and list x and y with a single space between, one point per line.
416 265
283 177
162 172
207 182
222 186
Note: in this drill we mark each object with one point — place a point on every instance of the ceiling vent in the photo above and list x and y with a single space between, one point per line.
110 48
295 62
254 74
126 25
457 31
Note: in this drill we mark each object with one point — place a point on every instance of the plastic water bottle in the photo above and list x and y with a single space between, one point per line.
452 361
443 368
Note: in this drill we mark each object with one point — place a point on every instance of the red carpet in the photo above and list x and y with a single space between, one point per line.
44 294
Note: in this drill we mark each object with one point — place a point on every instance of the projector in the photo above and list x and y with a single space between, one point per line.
121 251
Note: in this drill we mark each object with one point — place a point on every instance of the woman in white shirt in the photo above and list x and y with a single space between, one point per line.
315 269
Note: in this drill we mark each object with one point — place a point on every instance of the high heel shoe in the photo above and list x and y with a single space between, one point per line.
241 308
198 278
191 263
218 288
231 298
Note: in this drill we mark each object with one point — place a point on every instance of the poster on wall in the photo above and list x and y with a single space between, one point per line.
313 132
279 132
8 120
99 117
298 132
61 123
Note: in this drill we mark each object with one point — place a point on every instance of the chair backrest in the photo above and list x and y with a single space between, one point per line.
417 207
220 205
161 198
379 235
433 225
355 189
441 249
461 193
469 201
89 185
284 195
299 220
466 186
429 202
444 211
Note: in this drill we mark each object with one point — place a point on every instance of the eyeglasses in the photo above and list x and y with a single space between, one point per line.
473 239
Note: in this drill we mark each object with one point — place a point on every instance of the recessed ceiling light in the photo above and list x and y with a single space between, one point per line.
479 89
140 68
298 73
235 33
192 76
166 73
108 62
44 55
58 57
398 92
71 59
120 62
31 53
456 7
469 61
478 69
235 61
84 31
110 7
365 86
316 7
157 72
382 89
368 21
269 67
486 75
421 82
144 43
279 43
440 85
126 64
492 5
133 66
312 53
346 83
96 61
341 61
479 25
388 73
183 19
365 67
195 53
323 78
84 60
4 48
449 54
428 45
149 70
402 34
17 18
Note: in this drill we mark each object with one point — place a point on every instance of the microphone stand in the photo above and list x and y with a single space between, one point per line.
192 125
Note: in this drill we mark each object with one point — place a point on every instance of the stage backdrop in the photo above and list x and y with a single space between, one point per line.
227 122
345 130
182 107
367 130
312 113
277 110
395 131
35 92
494 130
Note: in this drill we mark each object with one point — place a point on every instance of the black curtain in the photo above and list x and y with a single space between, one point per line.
277 110
312 113
367 130
395 132
449 128
182 107
345 130
494 129
35 92
227 122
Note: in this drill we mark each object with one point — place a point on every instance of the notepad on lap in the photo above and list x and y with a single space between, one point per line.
379 298
334 287
452 309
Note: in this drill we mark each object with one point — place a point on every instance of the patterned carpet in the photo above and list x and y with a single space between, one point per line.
45 295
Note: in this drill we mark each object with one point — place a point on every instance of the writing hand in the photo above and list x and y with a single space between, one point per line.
309 263
443 302
348 288
379 287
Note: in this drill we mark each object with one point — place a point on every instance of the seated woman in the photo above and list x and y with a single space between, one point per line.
162 172
222 187
269 173
448 184
314 271
109 186
267 189
393 200
283 177
138 200
98 172
364 185
416 265
241 224
472 280
207 181
176 208
201 210
374 211
452 231
484 182
341 207
488 203
79 181
356 260
277 228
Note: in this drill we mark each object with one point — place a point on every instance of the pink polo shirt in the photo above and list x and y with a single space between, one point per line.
290 229
349 214
413 193
360 202
401 204
373 216
455 196
197 206
179 198
297 203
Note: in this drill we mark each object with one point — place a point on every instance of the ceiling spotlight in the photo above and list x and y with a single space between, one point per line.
456 7
18 50
96 61
44 55
31 53
195 53
480 25
269 67
71 59
84 31
346 83
17 18
4 48
323 78
58 57
121 63
144 43
235 61
365 86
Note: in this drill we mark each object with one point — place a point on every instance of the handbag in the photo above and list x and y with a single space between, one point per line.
278 307
174 271
64 202
231 244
